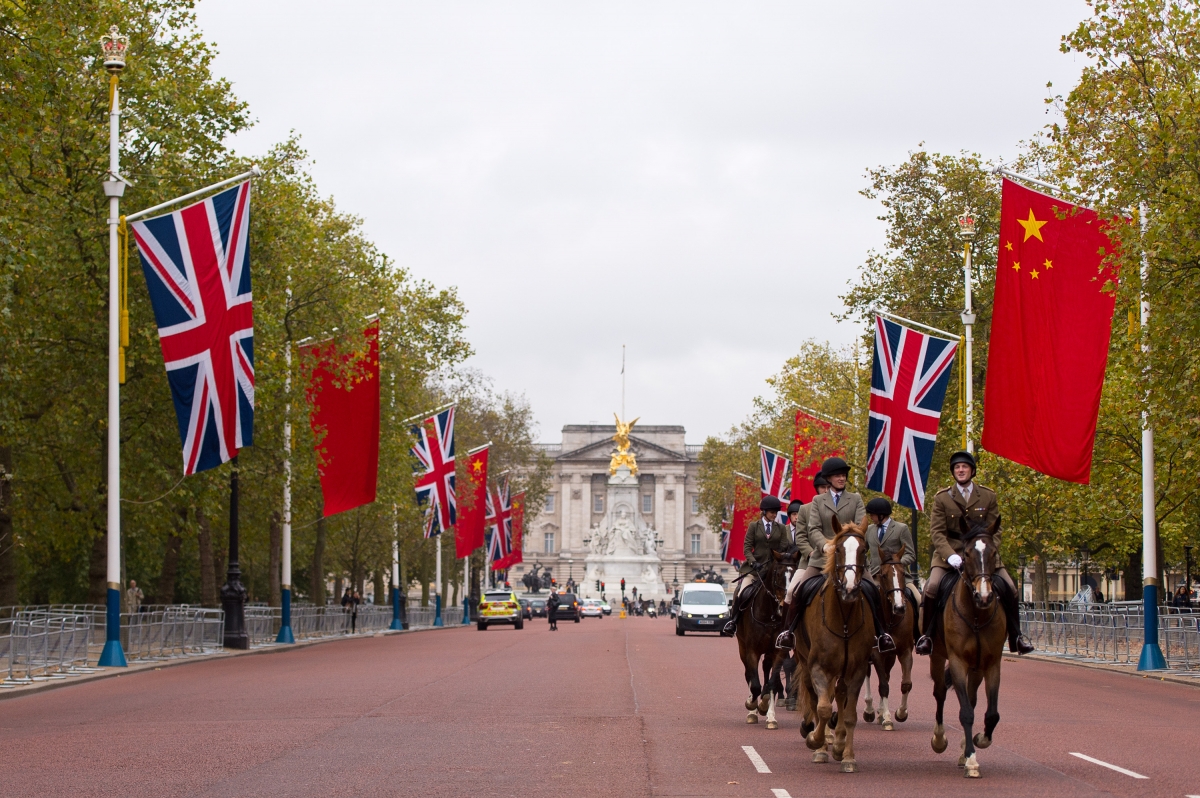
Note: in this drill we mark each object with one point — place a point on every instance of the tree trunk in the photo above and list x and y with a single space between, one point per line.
317 588
275 559
424 570
208 586
164 593
1041 582
8 538
337 587
98 570
381 596
1133 576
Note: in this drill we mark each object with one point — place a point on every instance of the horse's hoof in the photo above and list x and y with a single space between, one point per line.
838 753
889 726
971 770
752 717
764 704
939 744
962 760
869 717
772 725
751 703
820 757
982 740
849 766
810 740
901 715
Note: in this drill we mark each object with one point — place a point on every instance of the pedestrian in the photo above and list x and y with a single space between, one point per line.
347 601
354 602
552 611
1181 597
134 597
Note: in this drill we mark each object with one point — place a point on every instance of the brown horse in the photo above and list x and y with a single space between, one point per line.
761 622
833 651
899 619
972 635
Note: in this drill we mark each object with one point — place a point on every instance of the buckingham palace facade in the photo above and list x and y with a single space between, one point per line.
669 501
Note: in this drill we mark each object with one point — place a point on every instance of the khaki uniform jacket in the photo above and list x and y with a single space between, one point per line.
895 534
801 533
758 546
944 526
850 510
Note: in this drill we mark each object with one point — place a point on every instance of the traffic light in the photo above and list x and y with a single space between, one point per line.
601 587
622 585
597 585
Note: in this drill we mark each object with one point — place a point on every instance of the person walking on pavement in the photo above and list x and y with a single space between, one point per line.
766 535
347 601
134 597
552 611
354 602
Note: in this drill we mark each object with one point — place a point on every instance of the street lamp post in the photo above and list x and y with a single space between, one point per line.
1021 567
233 592
966 232
1084 552
1187 572
113 45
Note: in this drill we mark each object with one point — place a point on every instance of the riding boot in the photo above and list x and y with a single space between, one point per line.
924 645
730 628
787 638
1018 643
883 640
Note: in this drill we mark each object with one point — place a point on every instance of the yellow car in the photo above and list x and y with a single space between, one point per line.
499 606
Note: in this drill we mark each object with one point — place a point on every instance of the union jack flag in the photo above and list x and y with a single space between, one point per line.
775 476
499 524
434 451
197 266
908 388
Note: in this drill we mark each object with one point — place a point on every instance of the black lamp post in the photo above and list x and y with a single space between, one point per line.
1187 572
233 592
1021 567
1084 552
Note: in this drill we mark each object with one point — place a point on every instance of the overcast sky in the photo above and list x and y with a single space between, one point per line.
679 177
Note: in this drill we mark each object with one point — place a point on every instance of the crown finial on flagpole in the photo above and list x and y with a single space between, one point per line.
114 45
966 224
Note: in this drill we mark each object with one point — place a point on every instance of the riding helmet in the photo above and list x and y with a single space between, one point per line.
819 481
769 504
834 465
879 506
794 506
962 457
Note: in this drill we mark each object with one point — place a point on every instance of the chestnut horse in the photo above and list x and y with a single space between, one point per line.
899 619
761 623
972 635
833 650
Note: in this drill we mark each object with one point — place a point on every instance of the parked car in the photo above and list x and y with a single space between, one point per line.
526 609
703 607
591 608
538 607
605 607
500 606
568 608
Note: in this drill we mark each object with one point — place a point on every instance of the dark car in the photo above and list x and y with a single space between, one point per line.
568 608
526 609
538 607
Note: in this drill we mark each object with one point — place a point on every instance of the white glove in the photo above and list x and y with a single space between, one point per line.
954 560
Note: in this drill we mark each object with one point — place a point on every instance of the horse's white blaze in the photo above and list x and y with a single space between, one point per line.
981 547
850 546
898 596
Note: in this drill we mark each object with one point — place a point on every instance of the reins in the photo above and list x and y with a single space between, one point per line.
975 627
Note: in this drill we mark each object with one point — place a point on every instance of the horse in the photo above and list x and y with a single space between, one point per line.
899 619
971 638
761 623
833 651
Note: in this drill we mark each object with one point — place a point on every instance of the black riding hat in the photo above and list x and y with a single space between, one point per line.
962 457
769 503
794 506
834 465
820 481
879 506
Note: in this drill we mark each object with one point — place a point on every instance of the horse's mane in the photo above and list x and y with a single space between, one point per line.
831 545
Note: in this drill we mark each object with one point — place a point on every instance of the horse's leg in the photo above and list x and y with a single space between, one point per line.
869 707
768 680
839 725
992 716
749 661
885 690
774 688
849 711
906 663
937 672
966 716
823 685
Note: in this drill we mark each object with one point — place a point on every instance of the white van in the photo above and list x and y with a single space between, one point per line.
703 607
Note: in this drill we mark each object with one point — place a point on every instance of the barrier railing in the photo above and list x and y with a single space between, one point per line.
423 616
1111 632
172 632
43 644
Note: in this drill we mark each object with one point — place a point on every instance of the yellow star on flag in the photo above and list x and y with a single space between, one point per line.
1048 264
1016 266
478 466
1033 273
1033 228
1008 245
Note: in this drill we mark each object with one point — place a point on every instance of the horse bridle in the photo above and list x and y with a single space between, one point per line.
768 589
896 618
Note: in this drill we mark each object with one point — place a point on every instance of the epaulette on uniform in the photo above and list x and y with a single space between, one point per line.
943 490
985 487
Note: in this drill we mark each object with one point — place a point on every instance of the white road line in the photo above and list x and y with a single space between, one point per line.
778 793
759 764
1104 764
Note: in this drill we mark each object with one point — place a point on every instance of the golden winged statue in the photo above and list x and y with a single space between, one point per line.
622 456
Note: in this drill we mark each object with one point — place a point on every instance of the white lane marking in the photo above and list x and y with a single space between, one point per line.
778 793
759 764
1104 764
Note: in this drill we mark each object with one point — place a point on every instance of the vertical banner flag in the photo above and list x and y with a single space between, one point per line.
343 398
434 451
908 387
725 526
745 502
197 266
775 474
499 525
517 516
1051 322
814 441
469 532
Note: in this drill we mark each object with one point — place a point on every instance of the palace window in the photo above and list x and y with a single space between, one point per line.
548 543
647 502
598 503
695 504
695 543
549 506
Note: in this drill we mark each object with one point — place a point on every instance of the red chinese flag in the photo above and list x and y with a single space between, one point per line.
343 397
1051 322
814 441
517 508
472 505
745 502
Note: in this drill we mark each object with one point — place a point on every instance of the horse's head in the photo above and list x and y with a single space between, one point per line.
979 560
892 577
779 570
846 558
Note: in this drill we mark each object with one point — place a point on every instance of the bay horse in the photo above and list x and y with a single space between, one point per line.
761 622
899 620
971 639
833 651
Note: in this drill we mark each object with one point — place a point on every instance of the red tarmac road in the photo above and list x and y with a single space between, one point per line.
616 708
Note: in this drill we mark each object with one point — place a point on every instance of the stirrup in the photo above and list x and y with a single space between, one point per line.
885 643
730 628
924 646
786 641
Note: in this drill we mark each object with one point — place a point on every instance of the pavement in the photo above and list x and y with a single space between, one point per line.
614 708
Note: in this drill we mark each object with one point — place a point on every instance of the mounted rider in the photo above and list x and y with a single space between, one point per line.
887 534
980 507
849 508
764 536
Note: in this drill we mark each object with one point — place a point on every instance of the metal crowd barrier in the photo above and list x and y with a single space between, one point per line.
172 632
1111 633
43 644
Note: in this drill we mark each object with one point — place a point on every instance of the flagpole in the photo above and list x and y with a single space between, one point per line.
285 611
966 232
253 171
114 46
1151 658
437 593
622 380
